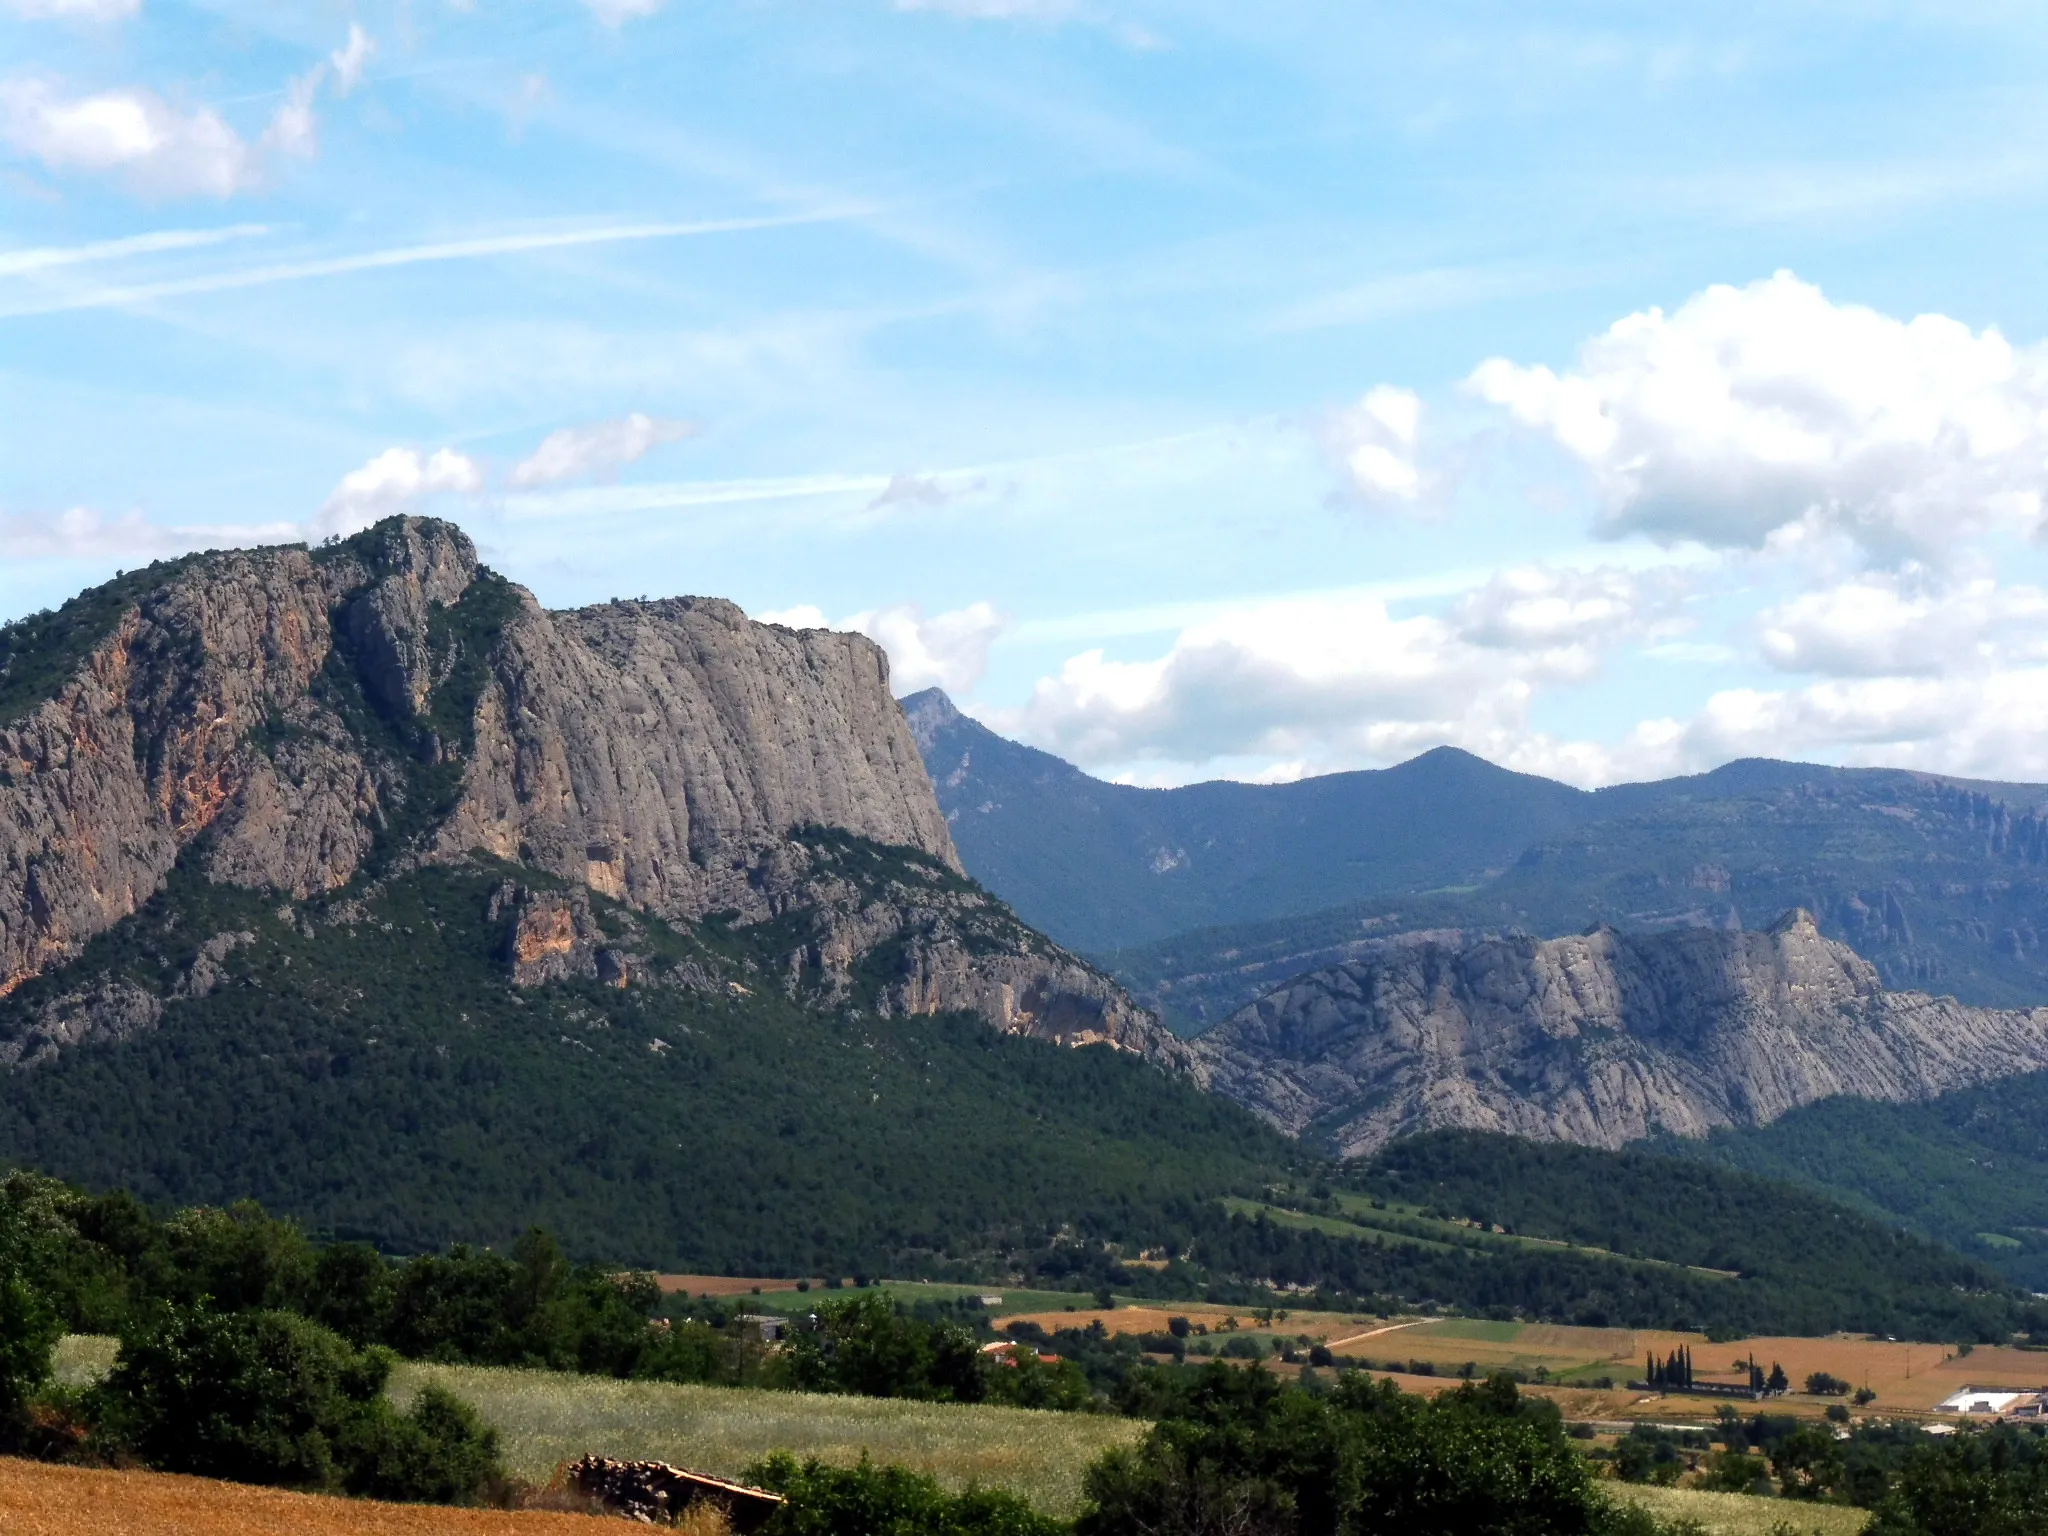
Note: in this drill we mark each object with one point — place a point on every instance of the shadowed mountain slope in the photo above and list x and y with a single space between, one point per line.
1100 866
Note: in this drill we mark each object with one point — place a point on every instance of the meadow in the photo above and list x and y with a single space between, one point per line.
1737 1514
545 1418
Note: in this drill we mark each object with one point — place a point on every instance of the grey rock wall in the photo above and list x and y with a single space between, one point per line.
1602 1038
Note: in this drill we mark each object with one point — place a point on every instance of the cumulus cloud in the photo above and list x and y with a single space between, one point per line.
158 150
394 481
351 59
577 452
1771 411
1909 624
1340 681
72 10
136 136
1374 442
1567 614
616 13
947 650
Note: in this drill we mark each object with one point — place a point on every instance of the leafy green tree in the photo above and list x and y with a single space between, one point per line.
29 1330
1971 1485
1807 1463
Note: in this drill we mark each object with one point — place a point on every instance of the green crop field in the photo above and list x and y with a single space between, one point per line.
545 1418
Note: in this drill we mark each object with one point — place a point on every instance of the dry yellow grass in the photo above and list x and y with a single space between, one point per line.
544 1419
1737 1514
40 1500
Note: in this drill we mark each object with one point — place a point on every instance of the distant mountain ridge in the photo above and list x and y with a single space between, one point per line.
1941 883
1101 866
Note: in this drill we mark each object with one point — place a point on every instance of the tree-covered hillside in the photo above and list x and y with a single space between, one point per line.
1967 1169
366 1066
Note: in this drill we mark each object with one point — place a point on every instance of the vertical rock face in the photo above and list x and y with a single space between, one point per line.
655 751
290 716
1602 1038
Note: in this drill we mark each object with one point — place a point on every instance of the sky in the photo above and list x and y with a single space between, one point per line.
1194 390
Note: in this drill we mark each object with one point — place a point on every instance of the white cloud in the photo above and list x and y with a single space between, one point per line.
1770 410
294 130
351 59
948 650
1566 612
614 13
156 149
1375 443
73 10
135 135
1907 625
576 452
1337 680
1993 724
393 482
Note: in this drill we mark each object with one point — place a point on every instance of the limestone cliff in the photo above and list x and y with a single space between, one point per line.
294 720
1600 1039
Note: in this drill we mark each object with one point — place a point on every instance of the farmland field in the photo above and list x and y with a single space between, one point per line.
545 1418
37 1499
1737 1514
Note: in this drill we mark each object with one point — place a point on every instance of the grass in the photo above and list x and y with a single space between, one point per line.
1740 1514
37 1499
544 1418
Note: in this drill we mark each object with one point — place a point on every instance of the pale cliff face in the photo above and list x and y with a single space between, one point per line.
1600 1039
292 716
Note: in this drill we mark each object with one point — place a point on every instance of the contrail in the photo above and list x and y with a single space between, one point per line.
19 263
412 255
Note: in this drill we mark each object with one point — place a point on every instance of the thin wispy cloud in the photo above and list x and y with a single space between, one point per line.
32 259
478 249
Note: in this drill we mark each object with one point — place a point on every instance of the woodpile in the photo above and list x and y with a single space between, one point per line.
655 1493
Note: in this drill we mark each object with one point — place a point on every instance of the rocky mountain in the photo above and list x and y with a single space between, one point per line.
1100 866
1602 1038
303 722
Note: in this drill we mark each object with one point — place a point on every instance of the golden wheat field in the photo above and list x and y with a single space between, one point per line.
41 1500
545 1418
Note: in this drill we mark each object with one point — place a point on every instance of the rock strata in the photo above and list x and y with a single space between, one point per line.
1602 1038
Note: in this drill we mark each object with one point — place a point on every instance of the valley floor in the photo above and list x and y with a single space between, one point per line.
1910 1379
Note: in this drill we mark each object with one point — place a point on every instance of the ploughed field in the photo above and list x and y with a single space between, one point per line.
38 1499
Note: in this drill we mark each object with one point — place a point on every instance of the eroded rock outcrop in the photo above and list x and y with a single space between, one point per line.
298 719
1601 1038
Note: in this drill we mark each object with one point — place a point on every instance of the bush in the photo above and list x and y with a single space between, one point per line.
437 1452
867 1500
270 1397
1821 1384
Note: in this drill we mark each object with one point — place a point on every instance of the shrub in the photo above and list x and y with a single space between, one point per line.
270 1397
867 1500
1821 1384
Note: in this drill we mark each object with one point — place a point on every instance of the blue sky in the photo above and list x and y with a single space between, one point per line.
1193 390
